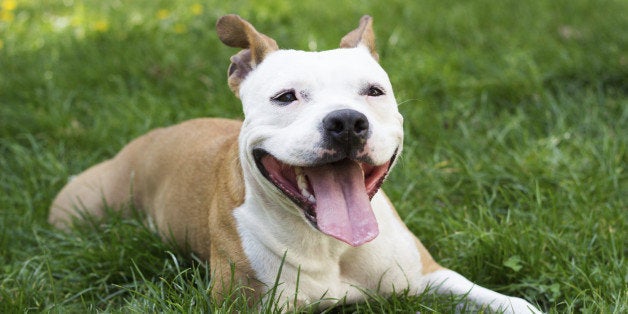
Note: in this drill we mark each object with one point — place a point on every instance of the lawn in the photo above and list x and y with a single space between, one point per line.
514 171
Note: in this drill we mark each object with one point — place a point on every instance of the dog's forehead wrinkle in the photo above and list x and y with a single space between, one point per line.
303 64
305 94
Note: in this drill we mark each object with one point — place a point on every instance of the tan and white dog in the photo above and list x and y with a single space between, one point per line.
300 176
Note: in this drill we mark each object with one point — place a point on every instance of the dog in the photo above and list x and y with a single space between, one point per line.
294 187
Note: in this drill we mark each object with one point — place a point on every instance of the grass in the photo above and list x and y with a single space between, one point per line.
513 174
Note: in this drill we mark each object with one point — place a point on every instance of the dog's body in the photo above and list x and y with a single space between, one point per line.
295 186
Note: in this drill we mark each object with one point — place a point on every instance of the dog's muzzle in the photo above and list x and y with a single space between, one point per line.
333 189
334 197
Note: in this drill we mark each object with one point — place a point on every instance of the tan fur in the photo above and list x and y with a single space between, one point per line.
187 177
234 31
363 35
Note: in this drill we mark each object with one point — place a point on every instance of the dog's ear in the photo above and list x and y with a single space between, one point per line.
236 32
363 35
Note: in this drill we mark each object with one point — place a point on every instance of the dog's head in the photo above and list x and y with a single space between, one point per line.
321 129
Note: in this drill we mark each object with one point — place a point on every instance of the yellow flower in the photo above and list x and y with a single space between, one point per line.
197 9
9 5
163 14
180 28
6 16
101 26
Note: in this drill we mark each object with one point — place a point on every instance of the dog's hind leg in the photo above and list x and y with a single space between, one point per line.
105 185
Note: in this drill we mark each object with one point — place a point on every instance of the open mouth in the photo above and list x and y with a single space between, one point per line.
334 197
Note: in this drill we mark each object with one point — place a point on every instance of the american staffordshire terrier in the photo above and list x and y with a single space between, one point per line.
295 185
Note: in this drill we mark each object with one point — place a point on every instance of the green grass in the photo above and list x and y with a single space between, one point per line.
513 174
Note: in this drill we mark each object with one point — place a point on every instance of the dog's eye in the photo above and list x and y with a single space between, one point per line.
284 97
374 91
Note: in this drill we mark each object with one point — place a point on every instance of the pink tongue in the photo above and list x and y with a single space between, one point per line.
343 208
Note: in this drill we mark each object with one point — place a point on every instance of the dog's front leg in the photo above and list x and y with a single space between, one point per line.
445 281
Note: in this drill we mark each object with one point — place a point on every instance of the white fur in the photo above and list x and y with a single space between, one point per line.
449 282
327 267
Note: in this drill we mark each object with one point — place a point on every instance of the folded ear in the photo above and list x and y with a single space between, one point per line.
234 31
363 35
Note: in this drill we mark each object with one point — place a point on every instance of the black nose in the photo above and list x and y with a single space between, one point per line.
346 128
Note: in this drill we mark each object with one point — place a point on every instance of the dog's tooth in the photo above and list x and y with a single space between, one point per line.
307 194
302 182
311 198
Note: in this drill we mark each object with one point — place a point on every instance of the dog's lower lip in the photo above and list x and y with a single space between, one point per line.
284 177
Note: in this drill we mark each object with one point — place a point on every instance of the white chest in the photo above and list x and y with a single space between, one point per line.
315 266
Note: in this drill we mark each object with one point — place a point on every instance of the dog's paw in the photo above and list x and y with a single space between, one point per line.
518 306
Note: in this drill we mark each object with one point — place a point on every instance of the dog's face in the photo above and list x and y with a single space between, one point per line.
321 131
313 108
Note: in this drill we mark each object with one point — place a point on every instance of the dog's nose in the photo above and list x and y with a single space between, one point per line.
346 128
